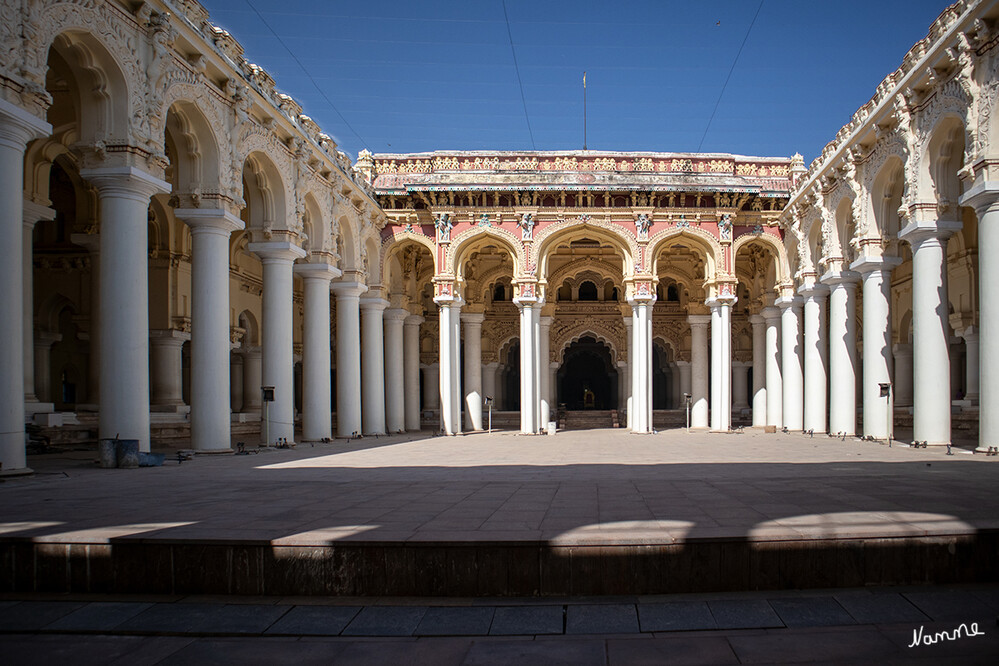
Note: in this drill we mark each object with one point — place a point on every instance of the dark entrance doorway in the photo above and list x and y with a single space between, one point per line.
587 378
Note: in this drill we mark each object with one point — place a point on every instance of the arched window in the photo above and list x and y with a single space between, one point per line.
499 293
587 291
672 293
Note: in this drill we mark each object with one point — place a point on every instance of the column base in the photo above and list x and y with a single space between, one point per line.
170 409
23 471
245 417
48 419
35 407
965 403
88 407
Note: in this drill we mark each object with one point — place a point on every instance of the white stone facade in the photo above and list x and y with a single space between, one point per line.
182 227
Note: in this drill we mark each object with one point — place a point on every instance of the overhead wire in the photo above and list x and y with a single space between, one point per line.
322 93
520 82
727 78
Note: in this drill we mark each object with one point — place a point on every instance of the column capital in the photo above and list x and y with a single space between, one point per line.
770 313
414 320
376 303
970 334
45 339
757 320
785 302
316 271
813 292
211 220
841 279
682 364
276 251
527 302
33 213
919 232
90 242
546 320
902 348
698 320
18 127
473 318
347 289
127 182
168 337
870 265
983 197
721 301
396 314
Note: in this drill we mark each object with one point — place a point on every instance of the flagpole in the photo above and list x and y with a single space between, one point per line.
584 110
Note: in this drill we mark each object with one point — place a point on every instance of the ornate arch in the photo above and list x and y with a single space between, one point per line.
554 233
398 239
459 245
611 334
605 269
704 240
774 243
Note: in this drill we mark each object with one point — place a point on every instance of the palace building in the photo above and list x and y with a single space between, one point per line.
178 234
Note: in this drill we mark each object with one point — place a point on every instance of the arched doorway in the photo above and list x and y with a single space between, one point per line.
587 378
663 394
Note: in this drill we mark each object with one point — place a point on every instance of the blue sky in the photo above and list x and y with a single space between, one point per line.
439 74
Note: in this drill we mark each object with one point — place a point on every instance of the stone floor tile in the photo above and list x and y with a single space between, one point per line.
205 619
456 621
601 619
950 604
31 650
255 650
527 620
792 646
879 607
498 652
811 612
98 616
744 614
386 621
679 651
314 620
675 616
33 615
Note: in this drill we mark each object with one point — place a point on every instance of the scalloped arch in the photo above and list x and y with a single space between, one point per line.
773 243
552 234
470 238
706 242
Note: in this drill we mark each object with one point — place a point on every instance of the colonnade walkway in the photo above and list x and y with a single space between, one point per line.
824 626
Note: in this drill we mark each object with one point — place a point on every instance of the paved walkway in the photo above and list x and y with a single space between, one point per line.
600 486
841 626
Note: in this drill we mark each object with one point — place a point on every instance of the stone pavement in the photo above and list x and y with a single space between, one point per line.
838 626
587 487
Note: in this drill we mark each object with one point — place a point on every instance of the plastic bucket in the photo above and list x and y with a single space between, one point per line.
128 453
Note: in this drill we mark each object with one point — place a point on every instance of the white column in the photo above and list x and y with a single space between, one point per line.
629 324
775 386
395 370
166 368
815 346
544 370
903 374
450 368
431 386
92 242
985 199
528 398
642 370
210 342
623 387
277 366
973 381
17 127
124 194
716 383
684 369
411 371
33 213
699 370
372 365
252 379
930 330
348 358
317 408
759 395
791 374
877 353
740 385
236 383
842 351
489 386
472 322
41 356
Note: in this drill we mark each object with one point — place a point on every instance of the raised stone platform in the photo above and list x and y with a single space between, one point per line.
590 512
